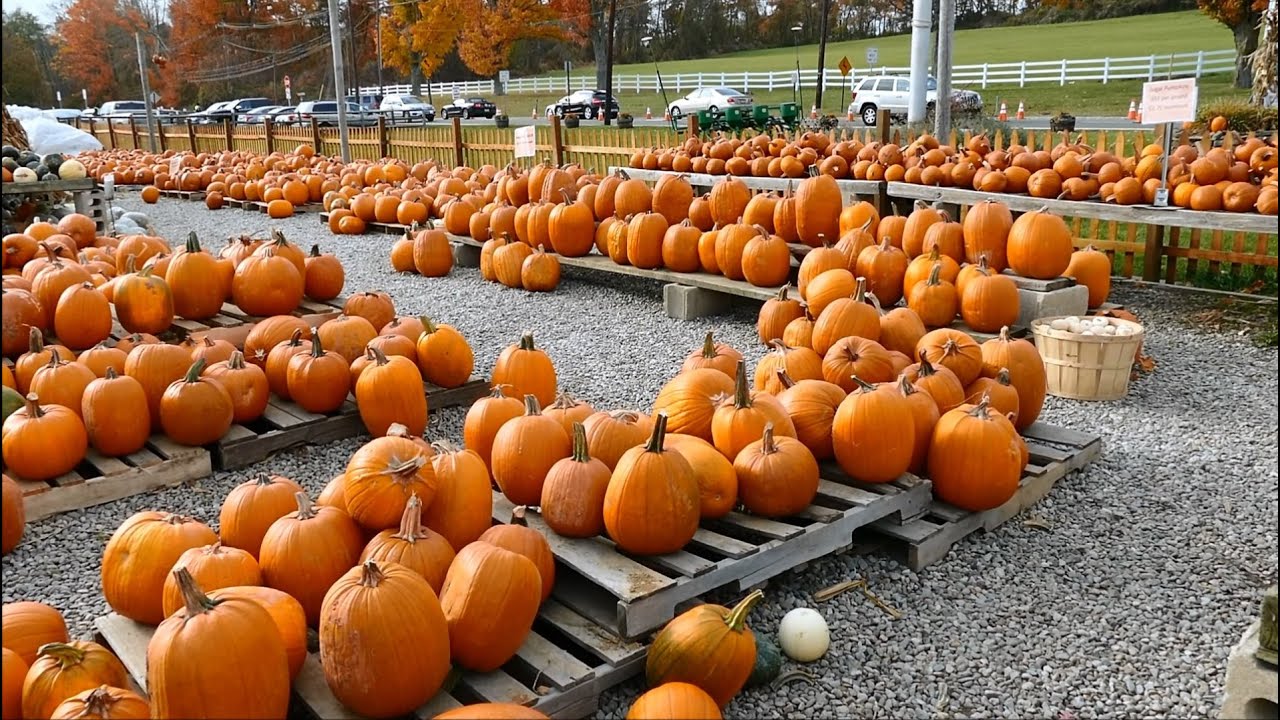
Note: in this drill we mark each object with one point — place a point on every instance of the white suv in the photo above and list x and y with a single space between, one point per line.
885 92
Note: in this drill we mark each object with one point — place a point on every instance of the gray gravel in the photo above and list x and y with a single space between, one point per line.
1126 606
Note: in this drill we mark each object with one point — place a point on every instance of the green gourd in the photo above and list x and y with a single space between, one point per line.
12 400
768 662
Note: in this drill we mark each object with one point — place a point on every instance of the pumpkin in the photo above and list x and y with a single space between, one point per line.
1039 245
717 356
883 266
48 285
266 334
144 302
707 250
610 434
573 492
731 244
680 247
777 477
784 216
22 316
854 356
213 351
986 229
1001 396
15 518
739 420
490 599
955 350
286 612
213 567
924 416
671 198
82 318
61 382
775 314
406 326
35 358
306 551
858 215
540 272
111 406
818 203
25 626
444 356
651 506
191 674
276 367
917 224
989 302
690 399
100 358
491 711
462 508
347 335
383 475
891 228
974 461
900 328
318 381
674 701
483 420
766 259
196 410
524 449
568 410
195 282
62 670
708 646
432 254
1026 372
939 383
759 211
390 391
801 363
717 481
1091 268
632 198
376 307
811 405
526 370
245 384
267 284
42 442
571 227
728 200
644 240
873 434
103 702
519 538
251 507
846 317
138 557
354 632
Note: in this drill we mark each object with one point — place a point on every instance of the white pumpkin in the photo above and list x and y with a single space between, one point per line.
24 175
803 635
71 169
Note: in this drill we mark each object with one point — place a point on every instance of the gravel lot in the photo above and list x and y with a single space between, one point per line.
1126 605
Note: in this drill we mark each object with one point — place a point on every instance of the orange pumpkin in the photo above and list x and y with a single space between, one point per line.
1039 245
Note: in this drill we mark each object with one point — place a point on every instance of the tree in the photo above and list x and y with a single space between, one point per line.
24 84
486 40
25 29
96 48
1243 17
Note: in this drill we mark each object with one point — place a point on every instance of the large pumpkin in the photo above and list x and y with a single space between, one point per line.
652 504
1039 245
519 538
526 370
213 567
463 506
267 284
375 667
524 449
1026 372
381 477
818 204
974 460
143 301
873 434
390 391
490 599
65 669
139 556
195 282
708 646
26 625
306 551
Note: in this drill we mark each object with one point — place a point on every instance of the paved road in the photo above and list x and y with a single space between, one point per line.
1031 123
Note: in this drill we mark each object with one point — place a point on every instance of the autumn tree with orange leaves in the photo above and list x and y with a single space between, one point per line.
96 49
1243 17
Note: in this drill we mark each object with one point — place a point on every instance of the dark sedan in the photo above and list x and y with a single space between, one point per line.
587 104
472 107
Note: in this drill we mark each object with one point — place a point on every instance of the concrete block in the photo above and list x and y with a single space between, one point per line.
466 255
690 303
1072 300
1251 684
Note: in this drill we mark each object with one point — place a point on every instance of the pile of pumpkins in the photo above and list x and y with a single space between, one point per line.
24 166
1242 178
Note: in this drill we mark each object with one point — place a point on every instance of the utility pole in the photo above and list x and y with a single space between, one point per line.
379 7
146 93
355 59
608 64
822 53
921 21
339 83
946 36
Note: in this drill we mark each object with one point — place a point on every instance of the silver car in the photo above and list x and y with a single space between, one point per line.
714 100
887 92
256 115
407 106
325 113
119 111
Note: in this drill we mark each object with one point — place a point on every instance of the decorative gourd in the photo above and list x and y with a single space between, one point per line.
213 567
777 477
573 492
986 232
955 350
775 314
319 381
674 701
800 363
883 266
974 461
873 434
62 670
1089 267
138 558
286 612
251 507
938 382
376 668
42 442
383 475
855 356
82 318
524 449
196 410
1039 245
1026 372
195 281
193 672
104 702
989 302
708 646
462 508
306 551
444 356
768 663
651 506
846 317
521 539
568 410
526 370
390 391
803 635
714 355
61 382
156 366
25 626
690 400
490 598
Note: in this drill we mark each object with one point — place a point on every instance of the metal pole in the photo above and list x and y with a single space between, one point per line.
355 59
665 103
146 93
339 82
567 89
1162 193
379 10
946 36
798 93
822 53
608 76
920 23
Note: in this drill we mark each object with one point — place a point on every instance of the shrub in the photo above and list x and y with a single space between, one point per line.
1241 116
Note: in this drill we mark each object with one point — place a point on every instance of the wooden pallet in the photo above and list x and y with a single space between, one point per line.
260 206
233 324
1055 453
631 595
285 425
562 668
100 479
183 194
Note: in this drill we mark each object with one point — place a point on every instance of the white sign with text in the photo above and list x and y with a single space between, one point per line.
1169 101
526 141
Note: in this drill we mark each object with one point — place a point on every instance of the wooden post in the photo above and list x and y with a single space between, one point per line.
268 126
692 125
160 136
111 133
882 126
191 134
133 131
557 141
383 146
315 135
1153 252
457 142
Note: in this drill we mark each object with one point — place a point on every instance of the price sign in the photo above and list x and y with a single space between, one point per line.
526 141
1169 101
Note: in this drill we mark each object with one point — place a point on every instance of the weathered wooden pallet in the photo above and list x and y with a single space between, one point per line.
260 206
183 194
285 425
632 595
562 668
233 324
100 479
1055 453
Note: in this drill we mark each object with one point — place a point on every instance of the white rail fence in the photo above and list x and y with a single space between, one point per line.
1104 70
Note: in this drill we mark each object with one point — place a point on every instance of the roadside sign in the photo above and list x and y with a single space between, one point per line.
504 76
845 66
526 141
155 97
1169 101
873 55
288 90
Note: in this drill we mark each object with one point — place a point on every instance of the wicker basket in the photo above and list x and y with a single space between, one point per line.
1087 367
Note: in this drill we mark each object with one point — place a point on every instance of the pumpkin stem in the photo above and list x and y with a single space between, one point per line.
709 346
193 373
54 358
980 410
111 373
580 453
1004 334
518 514
496 392
378 356
741 395
767 445
935 275
410 520
784 378
316 349
863 384
1002 377
236 362
860 290
737 617
782 292
193 243
865 226
193 597
306 510
526 341
531 406
822 239
905 386
98 702
35 340
659 434
926 367
66 654
370 574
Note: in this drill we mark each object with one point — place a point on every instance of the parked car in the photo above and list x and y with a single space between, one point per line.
64 115
213 113
887 92
255 116
286 115
471 107
714 100
410 106
325 113
122 110
588 104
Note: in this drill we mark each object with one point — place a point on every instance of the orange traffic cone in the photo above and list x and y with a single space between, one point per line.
1133 110
1004 111
849 116
1022 110
534 113
648 113
1139 117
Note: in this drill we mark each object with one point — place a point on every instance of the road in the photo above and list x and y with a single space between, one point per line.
1031 123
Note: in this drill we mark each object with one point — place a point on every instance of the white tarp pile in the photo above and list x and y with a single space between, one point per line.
47 135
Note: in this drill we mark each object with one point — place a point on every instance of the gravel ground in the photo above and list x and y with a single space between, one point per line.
1125 602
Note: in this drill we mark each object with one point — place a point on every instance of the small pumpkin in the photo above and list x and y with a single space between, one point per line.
246 385
674 701
1091 268
1026 369
318 381
800 363
196 410
568 410
144 302
811 405
718 356
775 314
384 474
26 626
953 349
708 646
306 551
286 612
524 449
444 355
214 567
104 702
651 506
740 420
690 400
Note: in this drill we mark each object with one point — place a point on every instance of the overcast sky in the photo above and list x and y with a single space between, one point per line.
42 9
